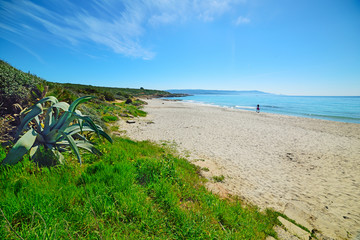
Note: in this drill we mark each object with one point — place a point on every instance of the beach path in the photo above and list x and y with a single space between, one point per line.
307 168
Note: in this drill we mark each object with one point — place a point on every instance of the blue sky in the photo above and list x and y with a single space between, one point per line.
287 47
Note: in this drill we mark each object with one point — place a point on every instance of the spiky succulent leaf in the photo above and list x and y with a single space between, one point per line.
105 135
89 147
64 117
52 114
80 121
33 151
51 99
57 131
59 156
78 101
61 105
75 128
87 121
38 124
35 111
21 147
72 145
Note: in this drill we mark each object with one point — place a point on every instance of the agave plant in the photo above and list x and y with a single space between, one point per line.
56 128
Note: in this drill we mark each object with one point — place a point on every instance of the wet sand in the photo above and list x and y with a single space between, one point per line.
307 168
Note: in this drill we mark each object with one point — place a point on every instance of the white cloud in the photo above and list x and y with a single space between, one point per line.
117 25
164 18
242 20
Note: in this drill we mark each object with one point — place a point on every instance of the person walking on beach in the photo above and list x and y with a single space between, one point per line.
258 108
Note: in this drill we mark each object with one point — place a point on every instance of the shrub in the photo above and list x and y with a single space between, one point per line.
16 86
109 118
218 178
128 101
109 96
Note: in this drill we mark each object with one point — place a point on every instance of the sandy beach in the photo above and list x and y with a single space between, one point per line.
307 168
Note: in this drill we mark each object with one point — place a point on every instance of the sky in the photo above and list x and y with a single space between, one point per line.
298 47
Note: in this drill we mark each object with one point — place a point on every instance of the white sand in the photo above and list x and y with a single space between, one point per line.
307 168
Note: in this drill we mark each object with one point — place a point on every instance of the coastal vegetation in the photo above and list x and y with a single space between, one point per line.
218 178
61 126
133 190
19 90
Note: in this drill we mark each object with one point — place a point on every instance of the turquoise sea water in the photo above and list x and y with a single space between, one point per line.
342 109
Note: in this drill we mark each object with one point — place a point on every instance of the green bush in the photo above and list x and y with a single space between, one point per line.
16 86
109 118
109 96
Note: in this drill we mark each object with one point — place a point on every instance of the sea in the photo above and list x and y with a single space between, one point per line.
333 108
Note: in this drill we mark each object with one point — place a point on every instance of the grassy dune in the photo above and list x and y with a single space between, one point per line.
136 190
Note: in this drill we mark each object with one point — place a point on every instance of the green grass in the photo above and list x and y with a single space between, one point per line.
218 178
114 128
109 118
136 190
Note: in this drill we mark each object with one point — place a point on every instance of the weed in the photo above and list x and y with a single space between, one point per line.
218 178
109 118
114 128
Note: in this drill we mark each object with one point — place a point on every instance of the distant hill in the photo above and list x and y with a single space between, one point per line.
217 92
18 87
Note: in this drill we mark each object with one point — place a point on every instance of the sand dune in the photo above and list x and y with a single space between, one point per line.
307 168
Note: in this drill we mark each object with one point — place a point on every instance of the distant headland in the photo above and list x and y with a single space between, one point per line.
217 92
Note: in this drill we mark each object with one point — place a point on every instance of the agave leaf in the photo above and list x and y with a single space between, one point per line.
85 144
72 145
21 147
79 136
75 128
101 132
79 112
90 123
61 149
89 147
52 113
55 117
81 122
40 138
33 151
51 99
62 105
67 123
64 117
59 156
35 111
49 118
105 135
75 116
38 123
52 136
78 101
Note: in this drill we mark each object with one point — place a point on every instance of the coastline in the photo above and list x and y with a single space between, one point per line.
339 109
304 167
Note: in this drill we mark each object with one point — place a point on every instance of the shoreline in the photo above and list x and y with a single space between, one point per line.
319 116
307 168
